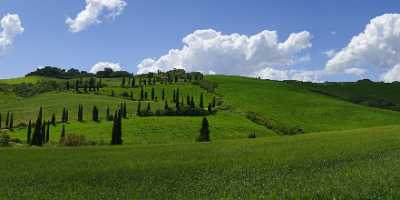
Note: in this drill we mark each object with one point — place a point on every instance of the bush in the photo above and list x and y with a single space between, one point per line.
4 139
75 140
274 125
252 135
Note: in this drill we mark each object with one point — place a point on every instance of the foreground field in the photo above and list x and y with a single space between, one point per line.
355 164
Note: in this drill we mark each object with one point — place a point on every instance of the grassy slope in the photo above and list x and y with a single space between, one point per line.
295 106
29 79
358 164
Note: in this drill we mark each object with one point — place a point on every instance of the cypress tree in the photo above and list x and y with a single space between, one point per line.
66 115
177 95
152 94
204 132
148 108
131 95
76 86
80 113
48 132
188 100
62 136
210 108
138 112
123 82
0 121
37 133
141 94
214 102
163 94
133 84
108 113
145 95
11 124
43 132
116 136
124 111
7 120
67 85
95 114
29 132
192 104
166 105
112 93
201 101
63 115
174 97
53 119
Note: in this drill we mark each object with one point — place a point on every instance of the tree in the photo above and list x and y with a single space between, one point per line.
166 105
80 113
0 121
29 132
139 111
63 132
163 94
214 102
201 101
7 120
112 93
95 114
177 96
141 94
11 124
116 136
174 97
148 108
37 133
108 113
133 83
204 132
123 82
47 132
210 108
53 119
153 95
131 95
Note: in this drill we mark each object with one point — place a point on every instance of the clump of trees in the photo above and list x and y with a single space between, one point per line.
116 136
9 121
55 72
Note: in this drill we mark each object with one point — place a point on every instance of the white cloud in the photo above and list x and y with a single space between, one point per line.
11 26
392 75
377 46
209 50
355 71
93 10
330 53
300 75
100 66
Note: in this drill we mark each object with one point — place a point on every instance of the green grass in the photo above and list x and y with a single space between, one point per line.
160 130
28 79
357 164
295 106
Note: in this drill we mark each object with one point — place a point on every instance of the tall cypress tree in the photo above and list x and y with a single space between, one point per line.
163 94
29 132
141 94
166 105
62 133
177 95
124 111
174 97
123 82
131 95
43 132
11 124
201 101
95 114
139 109
63 115
0 121
153 95
37 133
204 132
133 83
66 115
7 120
53 119
214 102
209 108
116 136
47 132
108 113
148 108
80 113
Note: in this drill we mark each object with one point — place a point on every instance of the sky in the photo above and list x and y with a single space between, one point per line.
307 40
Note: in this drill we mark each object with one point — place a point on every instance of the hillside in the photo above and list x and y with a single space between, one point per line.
295 106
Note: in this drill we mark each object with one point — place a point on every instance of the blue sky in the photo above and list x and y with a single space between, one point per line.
149 29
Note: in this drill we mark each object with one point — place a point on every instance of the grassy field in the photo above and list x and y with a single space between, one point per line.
298 107
356 164
349 152
28 79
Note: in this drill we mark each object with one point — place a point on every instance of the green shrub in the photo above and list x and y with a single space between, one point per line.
274 125
75 140
4 139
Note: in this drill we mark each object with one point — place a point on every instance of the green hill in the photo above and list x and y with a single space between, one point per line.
295 106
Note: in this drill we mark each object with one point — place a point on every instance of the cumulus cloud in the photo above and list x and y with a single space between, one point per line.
92 12
291 74
392 75
330 53
100 66
237 54
355 71
11 27
378 46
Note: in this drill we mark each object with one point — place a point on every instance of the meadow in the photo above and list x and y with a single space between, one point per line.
347 151
356 164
